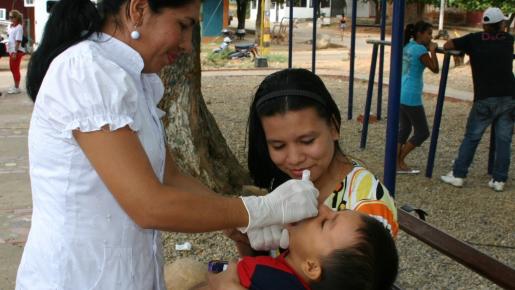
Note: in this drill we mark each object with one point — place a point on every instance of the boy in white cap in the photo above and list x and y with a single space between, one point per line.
491 60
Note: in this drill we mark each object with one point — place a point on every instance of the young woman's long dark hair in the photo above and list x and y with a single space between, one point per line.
280 92
371 264
72 21
411 30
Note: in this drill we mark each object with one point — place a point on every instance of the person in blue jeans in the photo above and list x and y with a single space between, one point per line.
419 52
491 60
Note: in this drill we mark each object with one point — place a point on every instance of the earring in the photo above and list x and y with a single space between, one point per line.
135 34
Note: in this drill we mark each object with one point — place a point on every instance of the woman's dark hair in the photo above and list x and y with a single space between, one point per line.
280 92
371 264
72 21
411 30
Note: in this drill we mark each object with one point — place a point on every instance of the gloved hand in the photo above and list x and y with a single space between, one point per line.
268 238
285 239
292 201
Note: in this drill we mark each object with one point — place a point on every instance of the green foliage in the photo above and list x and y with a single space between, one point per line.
217 59
507 6
277 58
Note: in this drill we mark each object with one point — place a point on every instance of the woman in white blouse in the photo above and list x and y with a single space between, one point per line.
102 180
15 49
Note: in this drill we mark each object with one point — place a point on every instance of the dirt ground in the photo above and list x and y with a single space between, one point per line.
336 57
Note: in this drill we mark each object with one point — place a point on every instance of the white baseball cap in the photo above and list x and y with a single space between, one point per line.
493 15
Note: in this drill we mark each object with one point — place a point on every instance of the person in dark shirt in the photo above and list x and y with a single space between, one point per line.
491 60
336 250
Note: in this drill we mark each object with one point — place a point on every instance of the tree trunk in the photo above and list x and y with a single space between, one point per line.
258 22
193 136
421 8
241 12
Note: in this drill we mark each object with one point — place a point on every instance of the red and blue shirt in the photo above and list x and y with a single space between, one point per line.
268 273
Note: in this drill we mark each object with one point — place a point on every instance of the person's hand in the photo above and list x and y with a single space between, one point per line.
268 238
292 201
13 55
433 46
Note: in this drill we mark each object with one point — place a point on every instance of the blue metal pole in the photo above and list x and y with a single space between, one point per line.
381 62
491 152
438 115
290 36
368 103
352 56
394 92
314 38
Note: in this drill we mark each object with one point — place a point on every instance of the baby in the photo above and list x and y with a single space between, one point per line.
335 250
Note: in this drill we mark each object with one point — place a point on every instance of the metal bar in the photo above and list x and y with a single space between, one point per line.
394 92
290 36
368 102
438 49
383 42
380 77
314 38
438 115
352 57
457 250
491 151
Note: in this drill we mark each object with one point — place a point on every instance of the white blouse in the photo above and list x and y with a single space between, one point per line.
80 237
15 33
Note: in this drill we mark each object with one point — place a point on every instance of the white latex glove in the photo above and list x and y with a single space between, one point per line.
292 201
266 238
285 239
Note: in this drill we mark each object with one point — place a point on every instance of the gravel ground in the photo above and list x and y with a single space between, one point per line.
474 214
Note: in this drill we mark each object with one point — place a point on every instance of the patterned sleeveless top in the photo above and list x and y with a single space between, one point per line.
362 191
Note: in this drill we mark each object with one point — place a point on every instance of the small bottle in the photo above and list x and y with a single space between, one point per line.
217 266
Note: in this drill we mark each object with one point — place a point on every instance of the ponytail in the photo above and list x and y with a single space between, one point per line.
70 22
409 32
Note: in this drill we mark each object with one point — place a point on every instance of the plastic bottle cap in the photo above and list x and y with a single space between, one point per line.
305 175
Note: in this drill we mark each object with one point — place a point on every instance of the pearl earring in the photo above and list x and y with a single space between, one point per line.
135 34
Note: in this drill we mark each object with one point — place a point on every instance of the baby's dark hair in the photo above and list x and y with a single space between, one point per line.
370 264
